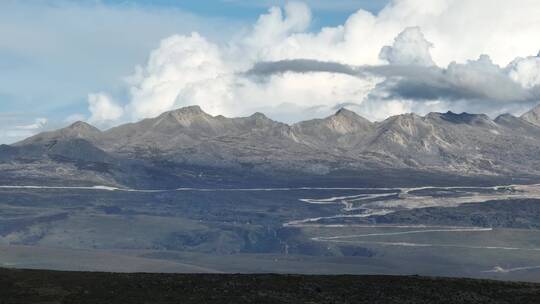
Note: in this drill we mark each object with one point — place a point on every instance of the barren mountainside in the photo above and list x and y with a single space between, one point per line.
532 116
188 142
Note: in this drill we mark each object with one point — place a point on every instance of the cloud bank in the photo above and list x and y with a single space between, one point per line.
413 55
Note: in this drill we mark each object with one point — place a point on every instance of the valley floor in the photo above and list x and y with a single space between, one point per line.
475 232
38 286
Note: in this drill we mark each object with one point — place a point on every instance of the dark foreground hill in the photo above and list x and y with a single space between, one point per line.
32 286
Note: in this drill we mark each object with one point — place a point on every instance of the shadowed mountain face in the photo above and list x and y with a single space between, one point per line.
185 145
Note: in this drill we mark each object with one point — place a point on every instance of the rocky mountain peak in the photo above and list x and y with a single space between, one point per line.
77 130
259 120
461 118
505 118
403 121
345 121
83 128
533 116
346 113
462 143
185 116
189 111
404 124
259 116
514 123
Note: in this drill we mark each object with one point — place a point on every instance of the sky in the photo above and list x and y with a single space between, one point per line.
110 62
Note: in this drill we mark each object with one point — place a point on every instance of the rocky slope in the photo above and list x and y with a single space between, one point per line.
532 116
186 143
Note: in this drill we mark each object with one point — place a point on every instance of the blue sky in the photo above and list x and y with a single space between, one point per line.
328 12
53 53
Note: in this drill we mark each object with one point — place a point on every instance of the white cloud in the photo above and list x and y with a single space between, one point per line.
410 48
485 79
459 29
277 25
526 71
188 70
183 70
439 36
103 108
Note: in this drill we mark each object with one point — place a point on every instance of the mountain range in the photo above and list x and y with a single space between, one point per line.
188 147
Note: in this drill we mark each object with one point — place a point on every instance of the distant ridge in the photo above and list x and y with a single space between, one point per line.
438 143
78 129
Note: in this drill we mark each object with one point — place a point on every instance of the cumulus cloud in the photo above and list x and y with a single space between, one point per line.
182 68
460 30
279 23
410 48
412 56
526 71
103 108
474 80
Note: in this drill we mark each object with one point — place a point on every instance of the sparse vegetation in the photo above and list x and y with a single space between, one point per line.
30 286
